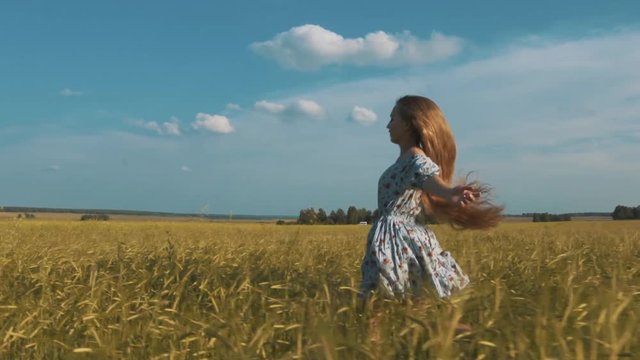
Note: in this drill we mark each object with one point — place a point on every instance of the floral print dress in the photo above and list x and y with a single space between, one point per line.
402 256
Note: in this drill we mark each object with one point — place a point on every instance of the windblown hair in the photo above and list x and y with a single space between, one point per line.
434 137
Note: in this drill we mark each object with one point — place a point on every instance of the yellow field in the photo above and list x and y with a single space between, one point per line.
178 290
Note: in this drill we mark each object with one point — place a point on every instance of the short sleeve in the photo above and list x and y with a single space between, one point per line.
422 168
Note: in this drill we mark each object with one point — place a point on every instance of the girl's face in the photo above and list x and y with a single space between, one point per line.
398 128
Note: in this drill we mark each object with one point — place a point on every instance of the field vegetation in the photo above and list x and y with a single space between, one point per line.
178 290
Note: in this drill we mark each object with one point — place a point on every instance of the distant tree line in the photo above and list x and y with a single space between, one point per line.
546 217
626 213
353 215
98 217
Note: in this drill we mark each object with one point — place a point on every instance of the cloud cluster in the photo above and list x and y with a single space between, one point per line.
300 108
171 127
269 107
220 124
204 122
311 47
212 123
363 115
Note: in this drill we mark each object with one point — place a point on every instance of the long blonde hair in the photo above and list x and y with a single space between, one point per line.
435 138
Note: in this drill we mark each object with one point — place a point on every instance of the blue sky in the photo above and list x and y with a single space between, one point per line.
268 107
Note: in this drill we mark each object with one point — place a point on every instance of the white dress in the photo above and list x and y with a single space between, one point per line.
402 256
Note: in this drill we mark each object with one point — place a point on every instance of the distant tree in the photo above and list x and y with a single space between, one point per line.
307 216
341 217
332 218
313 216
96 217
322 216
352 215
364 215
545 217
623 213
336 217
539 217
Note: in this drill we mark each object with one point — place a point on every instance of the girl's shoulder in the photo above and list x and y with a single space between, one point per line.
417 157
416 151
421 163
413 154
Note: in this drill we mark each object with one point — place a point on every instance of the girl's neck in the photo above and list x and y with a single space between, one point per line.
408 148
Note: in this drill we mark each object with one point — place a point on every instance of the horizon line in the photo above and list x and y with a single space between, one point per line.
13 208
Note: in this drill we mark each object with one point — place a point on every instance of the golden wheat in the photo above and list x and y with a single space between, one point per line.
162 290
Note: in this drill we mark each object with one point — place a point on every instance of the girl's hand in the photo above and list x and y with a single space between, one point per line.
463 195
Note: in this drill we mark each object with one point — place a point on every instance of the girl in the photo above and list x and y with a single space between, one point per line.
402 255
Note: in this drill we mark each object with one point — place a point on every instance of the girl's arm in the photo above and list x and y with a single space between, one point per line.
458 195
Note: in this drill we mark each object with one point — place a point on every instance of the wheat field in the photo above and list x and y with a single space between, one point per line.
203 290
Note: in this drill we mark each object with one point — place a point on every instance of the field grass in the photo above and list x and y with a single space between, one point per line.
165 290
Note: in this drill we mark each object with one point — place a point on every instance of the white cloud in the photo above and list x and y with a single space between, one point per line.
232 106
171 127
69 92
270 107
185 168
53 168
213 123
307 108
296 109
310 47
363 115
149 125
